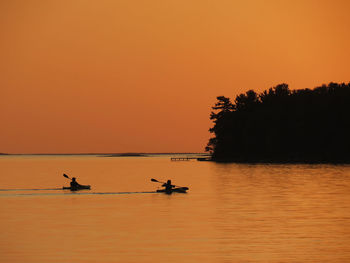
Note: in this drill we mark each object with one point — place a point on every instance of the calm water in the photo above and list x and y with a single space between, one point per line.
232 213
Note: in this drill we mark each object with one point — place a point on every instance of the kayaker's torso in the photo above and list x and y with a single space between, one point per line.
74 183
168 186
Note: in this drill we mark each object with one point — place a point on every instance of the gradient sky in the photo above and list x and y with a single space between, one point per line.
141 75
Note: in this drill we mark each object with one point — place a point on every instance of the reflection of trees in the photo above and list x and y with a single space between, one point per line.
283 125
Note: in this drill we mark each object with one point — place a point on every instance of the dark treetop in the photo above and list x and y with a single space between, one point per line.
280 125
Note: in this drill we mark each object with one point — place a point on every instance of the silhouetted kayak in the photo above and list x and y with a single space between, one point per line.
176 190
80 187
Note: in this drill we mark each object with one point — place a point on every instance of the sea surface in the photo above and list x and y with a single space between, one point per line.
232 212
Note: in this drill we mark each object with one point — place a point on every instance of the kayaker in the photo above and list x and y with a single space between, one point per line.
74 184
168 186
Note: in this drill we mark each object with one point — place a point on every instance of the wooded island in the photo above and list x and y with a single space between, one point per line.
283 125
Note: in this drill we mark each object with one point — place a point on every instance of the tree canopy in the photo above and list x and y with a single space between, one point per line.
283 125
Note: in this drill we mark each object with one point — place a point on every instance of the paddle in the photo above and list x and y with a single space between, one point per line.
155 180
64 175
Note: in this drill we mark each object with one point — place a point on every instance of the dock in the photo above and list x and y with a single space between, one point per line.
187 158
182 158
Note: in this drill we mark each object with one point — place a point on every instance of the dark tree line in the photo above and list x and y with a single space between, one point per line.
283 125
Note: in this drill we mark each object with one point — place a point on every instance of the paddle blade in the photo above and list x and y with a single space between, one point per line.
64 175
154 180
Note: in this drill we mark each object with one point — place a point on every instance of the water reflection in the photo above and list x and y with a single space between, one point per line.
283 213
232 212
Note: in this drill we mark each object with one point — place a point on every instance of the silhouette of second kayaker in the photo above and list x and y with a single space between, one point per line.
74 184
168 186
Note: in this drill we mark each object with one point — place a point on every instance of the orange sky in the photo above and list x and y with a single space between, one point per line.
141 76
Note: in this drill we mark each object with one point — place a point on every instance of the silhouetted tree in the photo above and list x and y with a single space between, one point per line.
222 108
281 125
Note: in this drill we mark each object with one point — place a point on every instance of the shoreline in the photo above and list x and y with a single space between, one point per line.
280 161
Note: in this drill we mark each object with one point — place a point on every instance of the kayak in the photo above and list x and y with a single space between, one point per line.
80 187
176 190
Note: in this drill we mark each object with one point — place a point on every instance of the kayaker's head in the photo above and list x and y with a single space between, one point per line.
168 182
73 179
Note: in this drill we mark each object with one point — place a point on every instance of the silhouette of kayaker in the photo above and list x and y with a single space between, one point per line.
168 186
74 184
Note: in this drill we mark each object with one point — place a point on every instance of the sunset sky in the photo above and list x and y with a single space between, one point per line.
141 75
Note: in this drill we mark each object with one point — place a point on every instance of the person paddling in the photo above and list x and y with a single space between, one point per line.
168 186
74 184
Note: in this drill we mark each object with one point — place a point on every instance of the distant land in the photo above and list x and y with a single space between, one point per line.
107 154
281 125
126 155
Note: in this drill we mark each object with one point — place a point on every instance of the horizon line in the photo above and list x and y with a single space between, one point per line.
102 153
